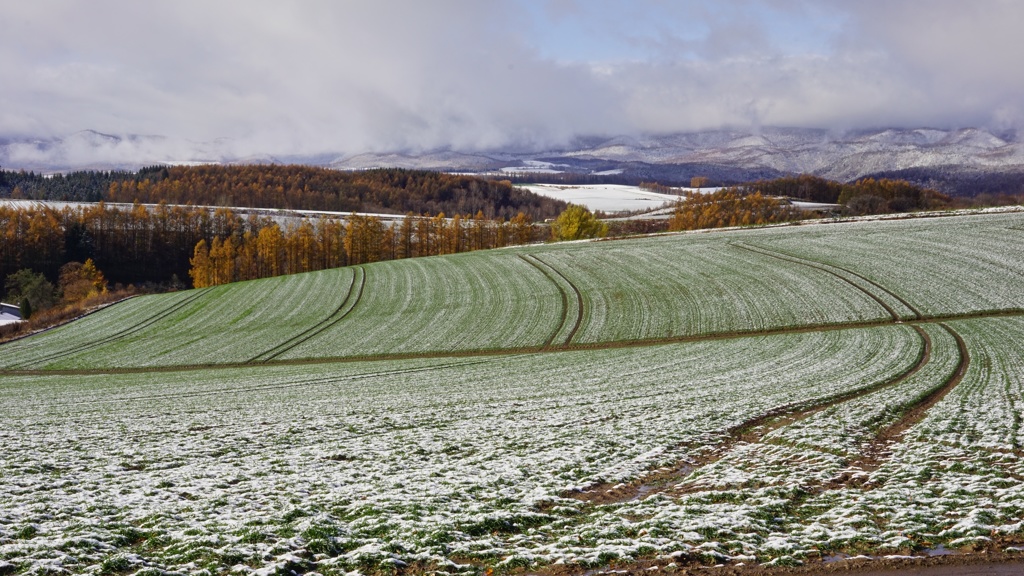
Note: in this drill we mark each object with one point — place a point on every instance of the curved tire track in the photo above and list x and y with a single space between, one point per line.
544 268
880 448
778 254
141 325
750 431
354 294
1010 313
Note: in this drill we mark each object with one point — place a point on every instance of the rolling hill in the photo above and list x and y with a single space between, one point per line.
773 395
963 161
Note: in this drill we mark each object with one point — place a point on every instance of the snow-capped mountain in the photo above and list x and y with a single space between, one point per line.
953 160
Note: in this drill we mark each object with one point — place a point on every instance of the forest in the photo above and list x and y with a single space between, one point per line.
865 196
154 246
730 207
387 191
182 241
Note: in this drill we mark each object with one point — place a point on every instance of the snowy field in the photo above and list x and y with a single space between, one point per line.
609 198
771 396
280 215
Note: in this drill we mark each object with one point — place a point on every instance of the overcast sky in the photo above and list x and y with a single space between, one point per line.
352 75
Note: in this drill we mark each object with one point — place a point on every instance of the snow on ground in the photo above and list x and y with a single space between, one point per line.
279 215
604 197
814 205
536 167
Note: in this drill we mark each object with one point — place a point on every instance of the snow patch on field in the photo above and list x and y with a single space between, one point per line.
604 197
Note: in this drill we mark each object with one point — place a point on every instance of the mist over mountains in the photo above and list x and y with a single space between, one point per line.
962 161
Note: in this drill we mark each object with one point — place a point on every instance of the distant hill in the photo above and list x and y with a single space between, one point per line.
963 162
388 191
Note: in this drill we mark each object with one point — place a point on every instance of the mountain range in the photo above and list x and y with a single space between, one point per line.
964 161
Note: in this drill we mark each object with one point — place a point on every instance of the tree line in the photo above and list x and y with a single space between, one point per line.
388 191
730 207
155 246
865 196
131 245
321 243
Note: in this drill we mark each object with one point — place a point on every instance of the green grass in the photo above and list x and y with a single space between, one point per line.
640 289
746 441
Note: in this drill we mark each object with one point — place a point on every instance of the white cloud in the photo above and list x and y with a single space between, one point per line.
321 76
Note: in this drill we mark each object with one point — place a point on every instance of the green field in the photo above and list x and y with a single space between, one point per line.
776 395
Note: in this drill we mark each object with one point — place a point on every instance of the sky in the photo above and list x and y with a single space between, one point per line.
312 76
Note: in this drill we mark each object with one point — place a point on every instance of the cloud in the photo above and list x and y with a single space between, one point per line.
323 76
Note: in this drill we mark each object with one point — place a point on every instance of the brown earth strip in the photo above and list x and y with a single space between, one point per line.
283 386
995 562
337 316
613 345
750 432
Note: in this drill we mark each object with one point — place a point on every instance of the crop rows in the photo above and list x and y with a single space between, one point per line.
465 302
223 324
651 289
349 465
942 266
820 391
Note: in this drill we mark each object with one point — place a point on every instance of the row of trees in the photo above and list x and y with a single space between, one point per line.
318 244
80 186
730 207
865 196
155 245
389 191
136 245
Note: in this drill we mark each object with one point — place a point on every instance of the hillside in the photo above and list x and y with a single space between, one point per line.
389 191
773 395
964 162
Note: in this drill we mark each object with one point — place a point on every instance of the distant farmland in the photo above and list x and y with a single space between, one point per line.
773 396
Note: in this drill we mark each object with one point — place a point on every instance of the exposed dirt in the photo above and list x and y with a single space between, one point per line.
987 563
751 431
879 450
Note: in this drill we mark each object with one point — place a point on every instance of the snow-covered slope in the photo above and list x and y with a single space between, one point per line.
721 154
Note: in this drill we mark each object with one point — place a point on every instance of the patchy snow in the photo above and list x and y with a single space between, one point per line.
279 215
535 167
814 205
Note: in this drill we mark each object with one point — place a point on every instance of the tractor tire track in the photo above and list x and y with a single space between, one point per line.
579 301
750 431
561 292
354 294
544 267
141 325
880 449
773 253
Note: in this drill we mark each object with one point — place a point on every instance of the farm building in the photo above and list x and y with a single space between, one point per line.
9 313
